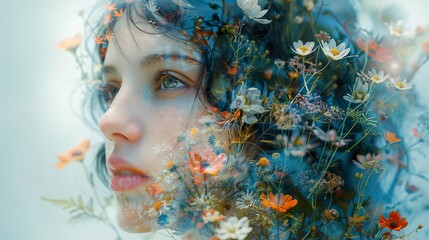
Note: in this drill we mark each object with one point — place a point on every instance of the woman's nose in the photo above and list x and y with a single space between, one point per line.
119 125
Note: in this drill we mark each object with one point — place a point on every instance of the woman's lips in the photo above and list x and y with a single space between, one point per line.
125 176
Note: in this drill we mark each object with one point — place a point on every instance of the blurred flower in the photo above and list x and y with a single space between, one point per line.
425 45
76 153
70 44
263 162
213 163
400 84
212 216
393 222
356 219
331 214
369 162
322 36
250 103
303 49
308 4
396 29
391 137
330 136
252 10
234 228
333 51
298 19
278 202
374 50
279 63
360 92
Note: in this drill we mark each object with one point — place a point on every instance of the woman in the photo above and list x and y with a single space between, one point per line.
220 124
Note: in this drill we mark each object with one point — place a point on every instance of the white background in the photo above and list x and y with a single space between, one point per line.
37 123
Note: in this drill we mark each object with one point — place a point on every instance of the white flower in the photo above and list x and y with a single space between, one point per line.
246 200
234 228
303 49
250 103
252 9
159 208
360 92
333 51
331 136
401 85
298 19
396 29
377 77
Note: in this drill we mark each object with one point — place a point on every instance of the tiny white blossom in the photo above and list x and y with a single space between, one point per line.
400 84
333 51
253 10
234 228
360 92
309 5
303 49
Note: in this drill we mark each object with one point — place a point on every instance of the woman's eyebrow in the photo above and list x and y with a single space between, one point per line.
167 57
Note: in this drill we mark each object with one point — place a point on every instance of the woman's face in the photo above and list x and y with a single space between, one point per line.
156 77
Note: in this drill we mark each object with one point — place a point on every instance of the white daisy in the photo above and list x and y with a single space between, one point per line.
360 92
396 29
333 51
246 200
303 49
377 77
400 84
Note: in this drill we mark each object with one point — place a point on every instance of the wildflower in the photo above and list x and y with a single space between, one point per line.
298 19
360 92
246 200
303 49
203 201
70 44
154 189
401 85
416 133
333 51
252 10
396 29
391 137
425 46
119 13
234 228
331 214
212 216
377 77
76 153
369 162
159 208
278 202
387 236
250 103
330 136
393 222
279 63
263 162
99 40
322 36
215 162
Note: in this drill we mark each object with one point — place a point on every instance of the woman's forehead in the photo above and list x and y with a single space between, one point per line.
133 43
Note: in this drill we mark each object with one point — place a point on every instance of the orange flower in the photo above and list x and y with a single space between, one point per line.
356 219
425 45
119 13
99 40
393 222
110 7
154 189
70 44
263 162
391 137
278 202
76 153
374 50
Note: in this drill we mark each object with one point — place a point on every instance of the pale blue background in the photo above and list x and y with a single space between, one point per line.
37 122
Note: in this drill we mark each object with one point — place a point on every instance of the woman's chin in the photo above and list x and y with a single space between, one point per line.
131 220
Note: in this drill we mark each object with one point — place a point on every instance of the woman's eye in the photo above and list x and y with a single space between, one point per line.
108 92
171 83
